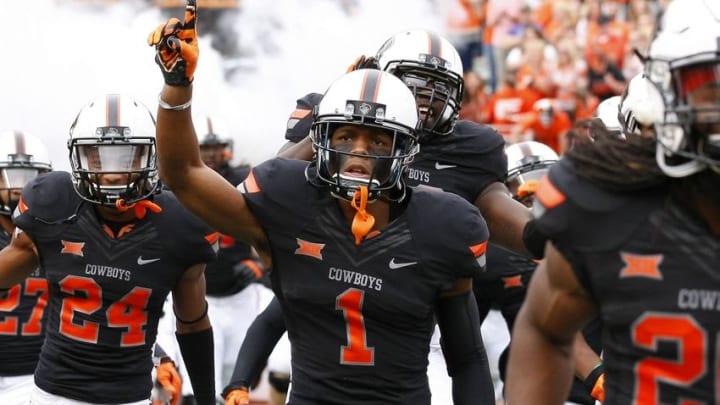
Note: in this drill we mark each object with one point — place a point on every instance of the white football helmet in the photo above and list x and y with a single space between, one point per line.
366 97
640 106
22 158
608 111
528 162
683 62
112 151
216 148
431 67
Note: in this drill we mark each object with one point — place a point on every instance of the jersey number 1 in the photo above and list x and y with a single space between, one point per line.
356 352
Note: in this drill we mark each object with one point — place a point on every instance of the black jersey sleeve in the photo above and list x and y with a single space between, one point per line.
236 174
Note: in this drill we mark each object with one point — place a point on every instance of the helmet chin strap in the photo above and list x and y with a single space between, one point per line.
363 221
141 207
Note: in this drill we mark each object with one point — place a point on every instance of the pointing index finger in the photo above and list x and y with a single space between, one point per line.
190 15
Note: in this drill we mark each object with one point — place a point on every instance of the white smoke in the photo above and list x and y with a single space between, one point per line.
56 55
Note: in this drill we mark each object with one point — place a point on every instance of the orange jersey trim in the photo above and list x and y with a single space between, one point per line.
251 185
479 249
300 113
548 194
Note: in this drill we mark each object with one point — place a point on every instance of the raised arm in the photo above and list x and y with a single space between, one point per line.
201 189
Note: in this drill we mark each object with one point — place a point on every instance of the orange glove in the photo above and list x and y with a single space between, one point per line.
598 391
176 47
363 62
238 396
170 380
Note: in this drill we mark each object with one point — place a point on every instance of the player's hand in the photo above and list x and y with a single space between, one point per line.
238 396
169 379
176 47
246 272
363 62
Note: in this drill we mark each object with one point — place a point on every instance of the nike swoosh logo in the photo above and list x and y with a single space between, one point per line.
142 261
394 266
439 166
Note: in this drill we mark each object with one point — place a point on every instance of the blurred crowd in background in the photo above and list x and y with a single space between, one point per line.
534 67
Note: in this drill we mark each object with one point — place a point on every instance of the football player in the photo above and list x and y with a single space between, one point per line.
635 227
459 156
22 307
112 245
361 263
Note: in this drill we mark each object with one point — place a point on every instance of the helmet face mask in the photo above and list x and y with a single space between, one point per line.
113 160
22 158
431 67
366 142
684 66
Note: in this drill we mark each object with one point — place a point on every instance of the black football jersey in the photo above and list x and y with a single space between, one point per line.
105 294
219 276
652 268
360 317
22 322
464 162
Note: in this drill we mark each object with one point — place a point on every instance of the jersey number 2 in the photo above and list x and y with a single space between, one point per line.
129 312
689 366
357 351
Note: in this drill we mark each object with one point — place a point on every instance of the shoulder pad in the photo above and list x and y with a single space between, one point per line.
573 211
465 233
50 197
236 175
300 120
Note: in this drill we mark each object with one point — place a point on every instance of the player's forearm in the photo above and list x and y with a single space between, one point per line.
540 370
505 217
260 340
197 351
177 144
